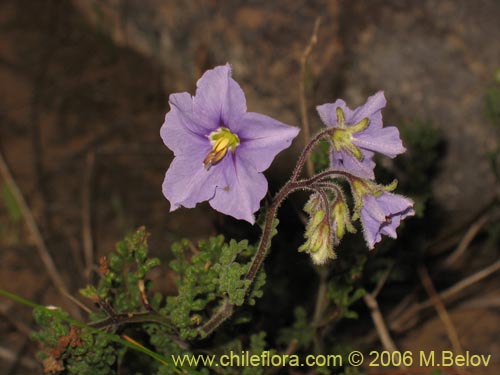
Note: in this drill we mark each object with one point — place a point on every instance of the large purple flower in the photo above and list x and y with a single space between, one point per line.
220 148
382 213
359 134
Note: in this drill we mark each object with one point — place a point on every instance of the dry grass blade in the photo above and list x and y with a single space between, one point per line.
467 239
42 250
445 295
88 243
379 322
302 92
441 310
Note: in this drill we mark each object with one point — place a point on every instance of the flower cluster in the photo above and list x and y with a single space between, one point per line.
355 137
221 151
326 227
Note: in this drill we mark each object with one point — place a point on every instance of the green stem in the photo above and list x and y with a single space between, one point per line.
127 318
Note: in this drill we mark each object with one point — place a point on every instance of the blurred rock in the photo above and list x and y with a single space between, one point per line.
434 59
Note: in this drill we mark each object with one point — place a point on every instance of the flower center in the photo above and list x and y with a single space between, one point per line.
343 135
222 140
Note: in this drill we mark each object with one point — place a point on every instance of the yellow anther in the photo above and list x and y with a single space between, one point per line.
222 140
221 144
214 157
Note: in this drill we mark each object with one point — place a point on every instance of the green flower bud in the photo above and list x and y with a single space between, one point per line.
319 239
341 219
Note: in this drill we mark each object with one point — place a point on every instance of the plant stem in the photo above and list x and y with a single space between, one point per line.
226 309
264 244
138 317
306 151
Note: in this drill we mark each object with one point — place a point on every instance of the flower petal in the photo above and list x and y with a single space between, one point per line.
372 110
373 208
262 138
383 214
187 182
181 131
328 112
345 161
390 229
383 140
371 229
219 99
395 204
245 188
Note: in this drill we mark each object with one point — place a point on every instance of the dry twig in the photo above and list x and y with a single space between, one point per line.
467 239
468 281
455 235
319 309
88 245
445 295
302 91
378 320
441 310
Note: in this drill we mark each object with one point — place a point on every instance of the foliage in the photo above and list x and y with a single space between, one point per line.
215 271
70 349
118 290
321 156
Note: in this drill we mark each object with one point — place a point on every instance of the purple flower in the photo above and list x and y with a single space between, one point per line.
359 134
220 148
382 213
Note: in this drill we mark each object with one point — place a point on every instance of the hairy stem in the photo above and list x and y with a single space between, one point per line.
307 150
226 309
268 228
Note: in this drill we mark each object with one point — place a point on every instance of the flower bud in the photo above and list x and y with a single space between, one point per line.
319 239
341 219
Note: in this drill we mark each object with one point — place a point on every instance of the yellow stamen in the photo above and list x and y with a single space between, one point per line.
219 150
222 140
343 135
342 139
340 117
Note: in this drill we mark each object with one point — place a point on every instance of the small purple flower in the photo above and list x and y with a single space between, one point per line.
382 213
220 148
359 134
